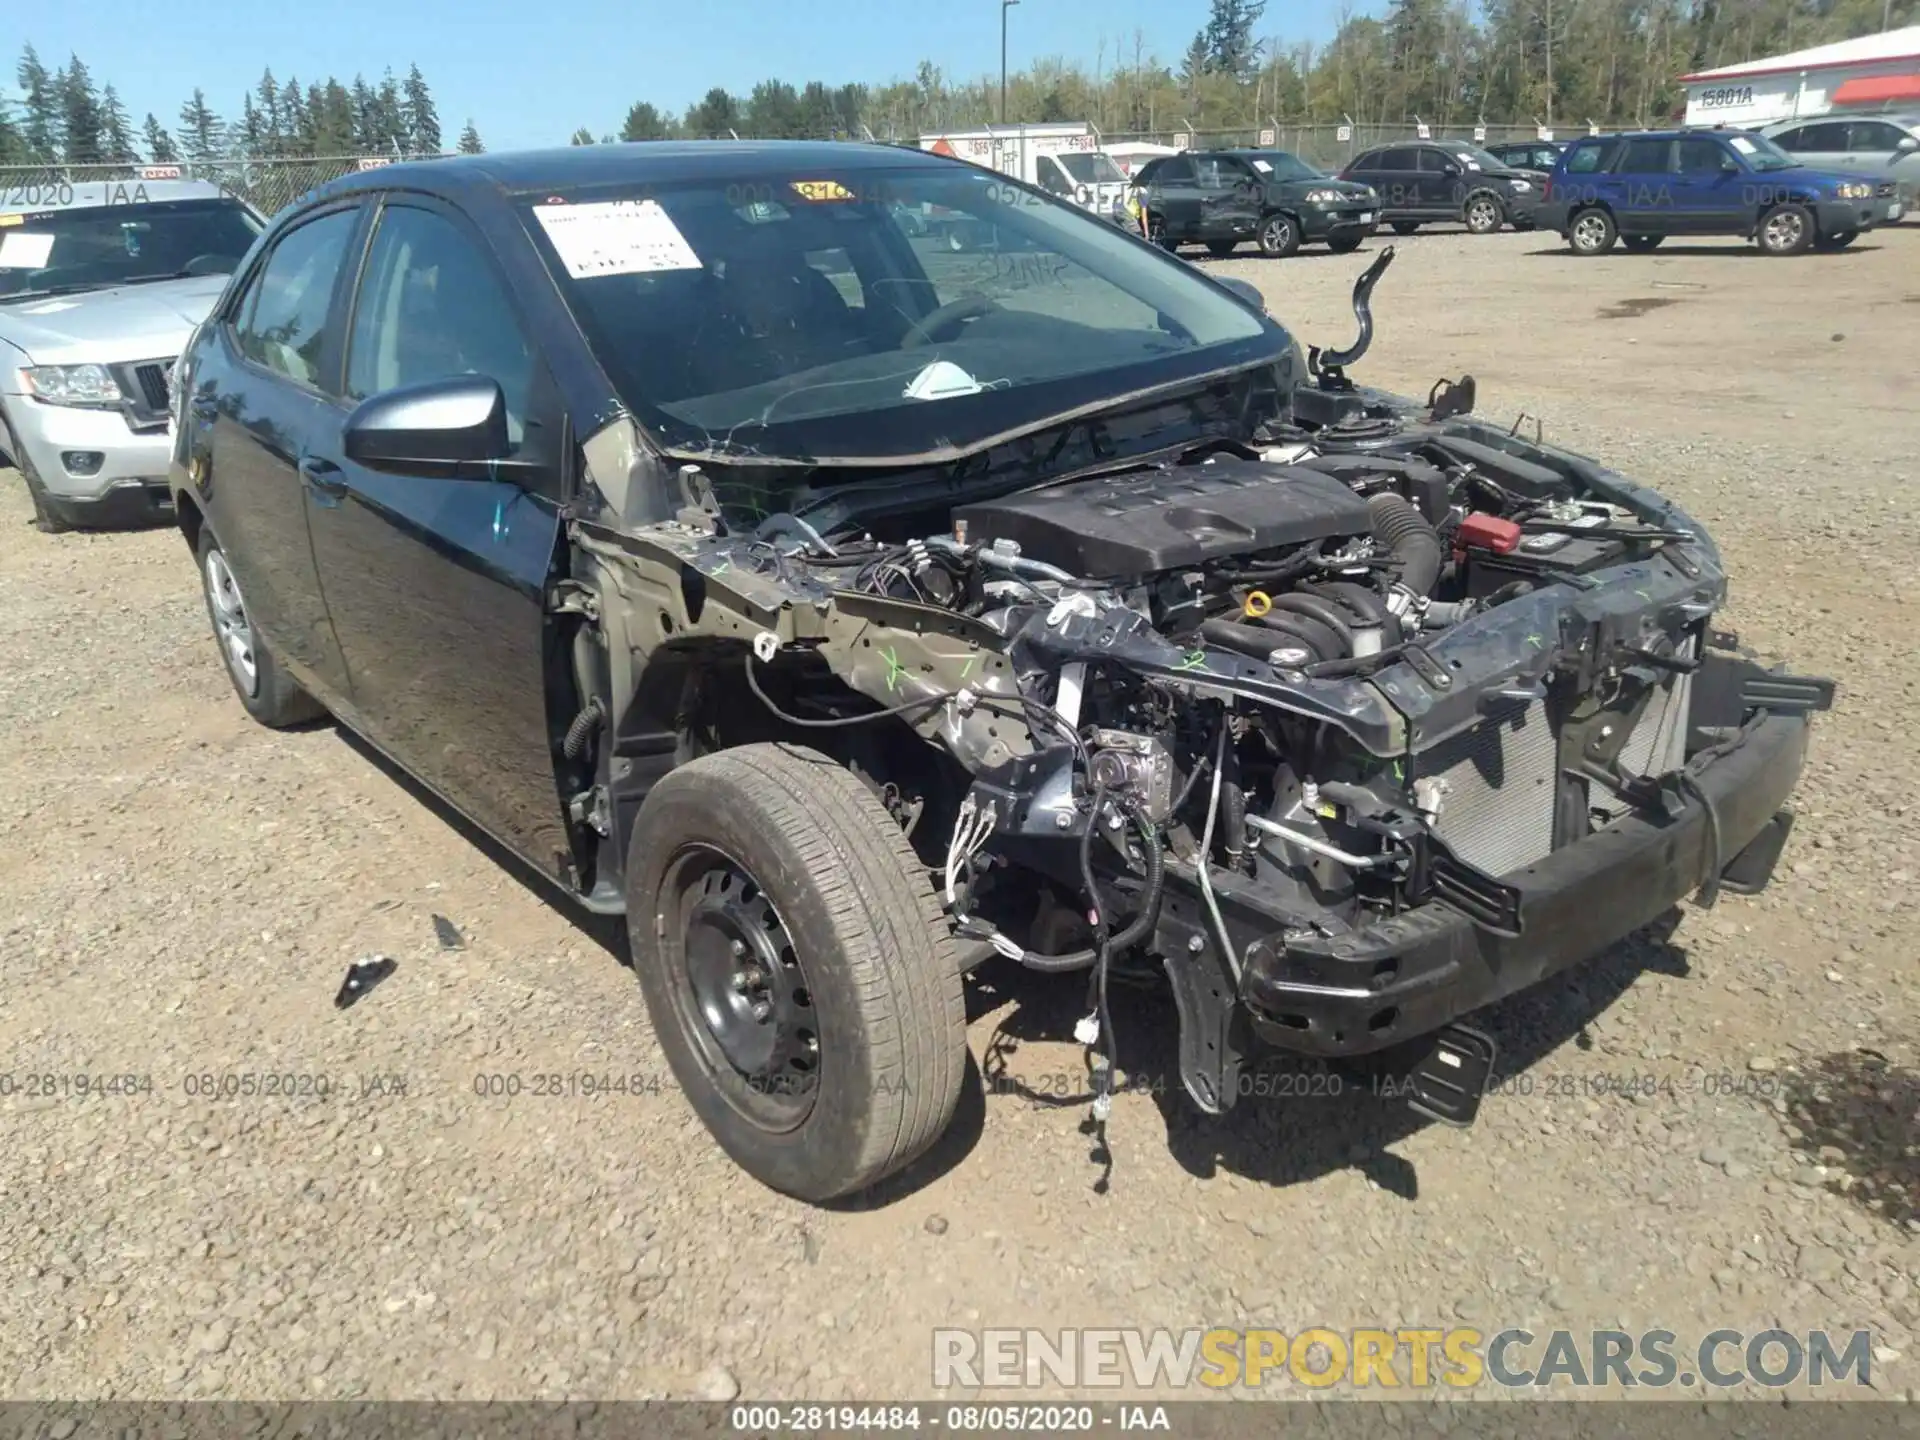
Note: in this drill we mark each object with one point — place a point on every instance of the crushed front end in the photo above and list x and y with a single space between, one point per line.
1346 725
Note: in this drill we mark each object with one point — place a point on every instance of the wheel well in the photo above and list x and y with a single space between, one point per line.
693 699
188 517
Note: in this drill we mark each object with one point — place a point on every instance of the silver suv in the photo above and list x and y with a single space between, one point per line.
1885 148
100 287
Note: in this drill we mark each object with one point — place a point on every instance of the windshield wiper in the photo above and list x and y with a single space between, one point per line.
175 275
53 290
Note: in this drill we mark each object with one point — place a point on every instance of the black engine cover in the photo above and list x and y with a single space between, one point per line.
1170 518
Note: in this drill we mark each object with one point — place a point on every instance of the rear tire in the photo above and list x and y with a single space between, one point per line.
1279 236
1787 230
1405 227
779 861
269 694
47 516
1591 232
1157 234
1642 242
1221 249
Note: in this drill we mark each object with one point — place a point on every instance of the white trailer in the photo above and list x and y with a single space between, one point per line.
1064 160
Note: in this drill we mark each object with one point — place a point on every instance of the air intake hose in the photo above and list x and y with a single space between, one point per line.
1405 532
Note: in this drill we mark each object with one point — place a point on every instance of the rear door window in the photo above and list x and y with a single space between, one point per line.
1399 158
1831 135
1647 157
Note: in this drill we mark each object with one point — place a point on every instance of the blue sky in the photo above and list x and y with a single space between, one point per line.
529 74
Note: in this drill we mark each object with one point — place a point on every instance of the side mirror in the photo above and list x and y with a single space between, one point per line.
1729 165
1906 145
1245 291
1452 172
442 427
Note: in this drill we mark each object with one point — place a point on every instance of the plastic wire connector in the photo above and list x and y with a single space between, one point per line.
1087 1029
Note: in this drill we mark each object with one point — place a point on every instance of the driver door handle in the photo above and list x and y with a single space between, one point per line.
326 480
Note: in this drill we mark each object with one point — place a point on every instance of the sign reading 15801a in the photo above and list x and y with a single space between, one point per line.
1726 95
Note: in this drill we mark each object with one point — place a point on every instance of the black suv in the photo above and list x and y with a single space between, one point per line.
1270 197
1426 181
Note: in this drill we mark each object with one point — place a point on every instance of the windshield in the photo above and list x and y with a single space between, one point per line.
1091 168
756 316
1474 157
1761 153
1279 165
92 247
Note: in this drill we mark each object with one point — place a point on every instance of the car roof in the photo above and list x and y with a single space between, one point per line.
643 162
29 198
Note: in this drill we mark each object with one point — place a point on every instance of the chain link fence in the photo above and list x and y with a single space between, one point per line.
267 185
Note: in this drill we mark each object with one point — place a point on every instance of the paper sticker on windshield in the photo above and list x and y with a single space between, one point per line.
1263 167
615 237
24 250
6 220
821 190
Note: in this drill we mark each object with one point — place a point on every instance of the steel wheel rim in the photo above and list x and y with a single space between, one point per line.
1784 229
1278 231
1589 231
740 990
230 623
1481 216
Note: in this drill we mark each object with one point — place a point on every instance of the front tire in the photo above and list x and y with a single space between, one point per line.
269 694
47 516
1483 213
1592 232
1787 230
1279 236
797 967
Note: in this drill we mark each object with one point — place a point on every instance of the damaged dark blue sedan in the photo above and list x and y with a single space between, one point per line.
849 613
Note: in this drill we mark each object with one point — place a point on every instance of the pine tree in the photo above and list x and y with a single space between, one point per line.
1229 37
13 145
421 119
390 121
296 126
41 127
251 140
116 132
201 131
645 122
335 123
470 141
366 124
160 146
582 136
81 120
266 97
716 113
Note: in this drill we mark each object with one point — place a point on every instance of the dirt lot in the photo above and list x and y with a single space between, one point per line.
181 891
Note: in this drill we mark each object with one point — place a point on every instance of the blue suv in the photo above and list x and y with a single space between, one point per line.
1645 186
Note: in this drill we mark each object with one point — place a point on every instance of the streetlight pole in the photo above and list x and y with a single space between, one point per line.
1005 5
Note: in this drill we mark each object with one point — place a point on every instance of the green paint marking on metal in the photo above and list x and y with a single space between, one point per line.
894 668
1536 642
1195 660
721 568
1643 595
967 669
1399 770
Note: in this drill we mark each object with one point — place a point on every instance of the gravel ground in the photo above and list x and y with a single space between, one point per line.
181 891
